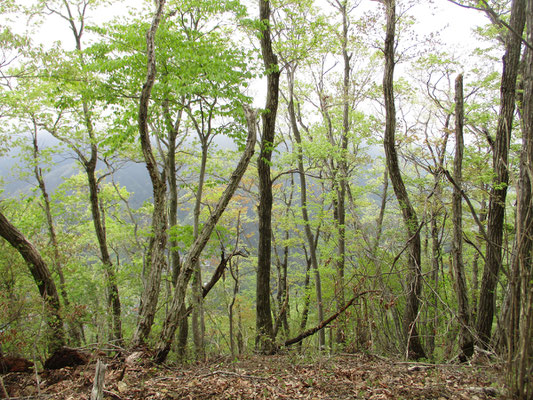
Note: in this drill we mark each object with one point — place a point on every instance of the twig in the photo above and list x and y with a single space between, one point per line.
4 390
472 210
232 374
495 18
112 394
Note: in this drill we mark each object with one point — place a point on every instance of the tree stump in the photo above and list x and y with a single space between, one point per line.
97 393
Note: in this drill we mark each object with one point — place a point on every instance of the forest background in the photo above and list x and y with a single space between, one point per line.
387 208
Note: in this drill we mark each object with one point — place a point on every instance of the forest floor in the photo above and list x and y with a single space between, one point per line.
344 376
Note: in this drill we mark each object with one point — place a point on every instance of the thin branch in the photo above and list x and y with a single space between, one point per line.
495 18
473 212
327 321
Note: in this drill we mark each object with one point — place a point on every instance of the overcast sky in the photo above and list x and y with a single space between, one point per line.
456 23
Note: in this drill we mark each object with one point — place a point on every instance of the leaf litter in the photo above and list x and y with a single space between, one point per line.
290 376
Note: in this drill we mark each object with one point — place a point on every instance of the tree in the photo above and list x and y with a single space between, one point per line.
264 332
304 204
500 157
158 242
43 278
520 322
414 346
178 300
77 103
465 339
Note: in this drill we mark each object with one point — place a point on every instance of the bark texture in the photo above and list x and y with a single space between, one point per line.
305 215
43 278
157 246
498 192
520 324
342 173
76 328
465 339
264 327
414 346
171 322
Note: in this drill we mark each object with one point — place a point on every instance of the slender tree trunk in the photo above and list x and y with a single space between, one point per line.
436 262
198 324
307 299
414 346
282 265
76 328
475 264
77 25
264 329
465 338
379 219
235 275
43 278
520 324
178 300
175 262
305 214
343 176
498 193
173 130
158 241
113 300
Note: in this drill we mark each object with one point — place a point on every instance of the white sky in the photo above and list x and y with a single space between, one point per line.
455 22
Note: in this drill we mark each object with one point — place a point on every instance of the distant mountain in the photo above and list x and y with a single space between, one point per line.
132 175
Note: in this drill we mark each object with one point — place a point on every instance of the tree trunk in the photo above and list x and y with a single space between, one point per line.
282 267
178 300
89 165
264 329
342 176
76 328
466 343
198 324
158 241
520 324
173 129
498 192
305 214
43 278
113 300
414 346
307 299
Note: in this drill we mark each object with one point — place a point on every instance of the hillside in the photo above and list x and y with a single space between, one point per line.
287 376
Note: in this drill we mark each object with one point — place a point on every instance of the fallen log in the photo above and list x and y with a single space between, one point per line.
15 364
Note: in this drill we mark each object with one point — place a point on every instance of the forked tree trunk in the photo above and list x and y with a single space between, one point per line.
498 192
414 287
171 322
77 25
158 241
264 328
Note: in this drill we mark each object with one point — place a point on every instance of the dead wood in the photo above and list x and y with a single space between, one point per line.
97 393
66 357
325 322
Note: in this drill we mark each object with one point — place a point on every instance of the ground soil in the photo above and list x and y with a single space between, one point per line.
256 377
